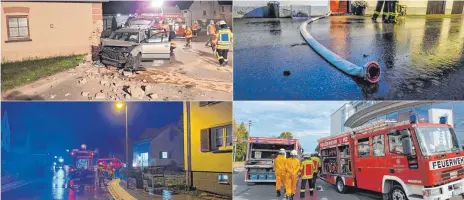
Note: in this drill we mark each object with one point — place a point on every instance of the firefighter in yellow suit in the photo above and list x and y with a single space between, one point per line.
279 169
307 175
292 167
224 41
317 165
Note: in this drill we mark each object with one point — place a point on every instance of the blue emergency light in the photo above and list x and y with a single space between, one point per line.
443 120
413 118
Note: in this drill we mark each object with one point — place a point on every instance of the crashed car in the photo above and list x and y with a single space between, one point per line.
127 47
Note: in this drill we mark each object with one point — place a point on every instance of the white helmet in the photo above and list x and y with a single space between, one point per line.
211 22
293 153
306 155
222 22
282 151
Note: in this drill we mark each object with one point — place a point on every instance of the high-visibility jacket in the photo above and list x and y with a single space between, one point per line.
279 164
317 163
173 44
224 40
307 169
292 166
188 33
211 29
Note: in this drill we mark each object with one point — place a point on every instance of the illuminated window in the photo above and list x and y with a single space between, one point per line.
164 155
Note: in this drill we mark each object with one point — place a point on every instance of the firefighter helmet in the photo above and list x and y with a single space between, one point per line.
211 22
282 151
222 22
293 153
306 155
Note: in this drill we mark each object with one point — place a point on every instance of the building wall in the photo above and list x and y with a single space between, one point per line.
56 29
206 166
259 8
413 7
213 12
336 122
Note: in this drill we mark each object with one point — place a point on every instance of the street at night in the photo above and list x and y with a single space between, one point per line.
420 58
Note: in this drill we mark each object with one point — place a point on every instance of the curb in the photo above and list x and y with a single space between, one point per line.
369 72
117 192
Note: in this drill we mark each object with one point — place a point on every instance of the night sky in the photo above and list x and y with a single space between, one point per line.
130 7
56 126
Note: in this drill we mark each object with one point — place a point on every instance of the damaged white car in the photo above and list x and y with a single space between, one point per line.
127 47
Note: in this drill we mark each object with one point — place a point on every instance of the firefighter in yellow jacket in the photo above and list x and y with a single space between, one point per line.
279 169
307 174
224 41
292 167
317 165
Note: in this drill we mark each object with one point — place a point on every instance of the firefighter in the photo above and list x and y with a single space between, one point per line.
378 8
279 169
110 171
393 9
211 31
188 37
317 165
195 28
224 41
307 175
214 42
292 167
101 174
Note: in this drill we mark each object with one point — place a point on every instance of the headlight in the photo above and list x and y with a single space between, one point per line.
432 192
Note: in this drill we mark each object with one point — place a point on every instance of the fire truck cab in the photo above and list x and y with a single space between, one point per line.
261 152
406 160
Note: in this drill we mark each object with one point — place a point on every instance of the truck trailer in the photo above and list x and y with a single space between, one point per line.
402 160
261 152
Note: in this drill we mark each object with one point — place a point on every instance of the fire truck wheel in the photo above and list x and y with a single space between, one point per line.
341 187
397 193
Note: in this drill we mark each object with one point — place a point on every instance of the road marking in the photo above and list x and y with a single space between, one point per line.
323 198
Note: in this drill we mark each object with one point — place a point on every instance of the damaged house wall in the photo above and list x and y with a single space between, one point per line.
67 28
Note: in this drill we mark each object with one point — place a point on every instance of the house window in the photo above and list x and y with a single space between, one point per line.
229 135
18 27
213 139
222 8
164 155
379 145
204 12
363 148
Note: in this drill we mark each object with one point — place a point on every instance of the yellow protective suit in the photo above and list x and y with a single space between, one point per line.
292 167
279 167
317 163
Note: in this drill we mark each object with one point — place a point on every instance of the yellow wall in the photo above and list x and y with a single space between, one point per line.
72 32
206 117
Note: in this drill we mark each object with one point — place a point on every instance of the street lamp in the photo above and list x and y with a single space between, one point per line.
84 146
119 106
67 150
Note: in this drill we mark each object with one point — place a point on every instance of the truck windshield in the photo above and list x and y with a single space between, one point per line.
434 140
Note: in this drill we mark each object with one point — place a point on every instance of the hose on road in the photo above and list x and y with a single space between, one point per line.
369 72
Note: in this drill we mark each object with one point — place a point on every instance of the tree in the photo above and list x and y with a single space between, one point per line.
241 134
286 135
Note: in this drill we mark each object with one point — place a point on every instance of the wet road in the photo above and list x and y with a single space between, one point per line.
420 58
58 186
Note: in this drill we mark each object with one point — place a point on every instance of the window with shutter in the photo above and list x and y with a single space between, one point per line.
205 140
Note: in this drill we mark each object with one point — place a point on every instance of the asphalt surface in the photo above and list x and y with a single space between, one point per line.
325 191
58 186
420 57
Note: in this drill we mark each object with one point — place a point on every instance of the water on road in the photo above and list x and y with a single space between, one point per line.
420 57
58 186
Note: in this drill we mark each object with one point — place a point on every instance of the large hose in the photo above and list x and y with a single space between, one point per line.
369 72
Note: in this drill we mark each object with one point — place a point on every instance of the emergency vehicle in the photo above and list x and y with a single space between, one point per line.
261 152
84 161
402 160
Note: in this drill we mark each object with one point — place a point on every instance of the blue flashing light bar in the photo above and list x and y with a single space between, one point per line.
443 120
413 118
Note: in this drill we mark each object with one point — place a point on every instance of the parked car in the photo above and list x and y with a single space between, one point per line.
127 47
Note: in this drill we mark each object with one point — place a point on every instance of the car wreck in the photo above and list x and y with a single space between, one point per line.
127 47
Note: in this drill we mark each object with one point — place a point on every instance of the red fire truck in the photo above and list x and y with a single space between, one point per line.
405 160
83 160
261 152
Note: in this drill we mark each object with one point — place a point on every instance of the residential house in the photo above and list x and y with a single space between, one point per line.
414 7
160 147
205 11
258 9
40 29
208 146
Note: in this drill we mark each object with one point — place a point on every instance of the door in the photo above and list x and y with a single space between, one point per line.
436 7
334 5
157 47
365 164
457 7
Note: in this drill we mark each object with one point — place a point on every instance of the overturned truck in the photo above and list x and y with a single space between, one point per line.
127 47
